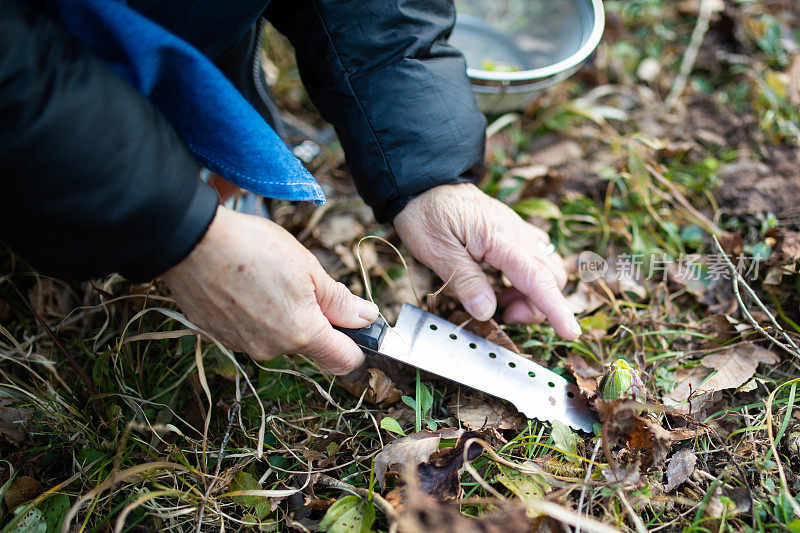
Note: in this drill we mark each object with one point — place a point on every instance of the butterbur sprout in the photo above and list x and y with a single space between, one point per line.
622 381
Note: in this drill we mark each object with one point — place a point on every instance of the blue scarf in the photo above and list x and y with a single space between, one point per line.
213 119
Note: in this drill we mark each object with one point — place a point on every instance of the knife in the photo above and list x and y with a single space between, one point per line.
430 343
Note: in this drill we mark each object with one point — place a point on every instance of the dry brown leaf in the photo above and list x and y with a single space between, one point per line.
413 449
439 476
730 369
381 380
558 153
22 490
585 375
383 388
584 299
529 172
12 421
735 366
489 330
338 229
641 440
737 501
478 411
679 468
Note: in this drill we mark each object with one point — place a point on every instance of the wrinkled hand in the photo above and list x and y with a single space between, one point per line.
451 228
257 290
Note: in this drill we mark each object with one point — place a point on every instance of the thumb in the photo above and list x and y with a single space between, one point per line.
332 350
470 283
340 306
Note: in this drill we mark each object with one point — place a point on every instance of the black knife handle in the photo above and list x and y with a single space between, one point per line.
370 337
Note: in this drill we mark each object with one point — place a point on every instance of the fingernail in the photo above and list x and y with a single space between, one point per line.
481 307
575 328
367 310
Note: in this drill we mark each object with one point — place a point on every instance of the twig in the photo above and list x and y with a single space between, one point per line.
689 57
737 280
228 431
586 482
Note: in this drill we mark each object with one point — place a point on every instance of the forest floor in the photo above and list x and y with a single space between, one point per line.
115 416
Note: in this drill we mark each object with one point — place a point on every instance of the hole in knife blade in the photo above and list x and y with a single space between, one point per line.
453 336
551 384
570 394
492 355
473 345
532 374
512 364
434 327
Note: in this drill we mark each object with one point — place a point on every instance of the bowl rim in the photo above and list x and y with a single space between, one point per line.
580 55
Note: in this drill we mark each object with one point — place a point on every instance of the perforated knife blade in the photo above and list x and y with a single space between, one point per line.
435 345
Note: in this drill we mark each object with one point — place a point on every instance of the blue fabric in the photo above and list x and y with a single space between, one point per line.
212 118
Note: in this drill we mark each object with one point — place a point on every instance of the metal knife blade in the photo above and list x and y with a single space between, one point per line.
435 345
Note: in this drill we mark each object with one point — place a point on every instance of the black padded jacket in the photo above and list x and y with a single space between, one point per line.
95 180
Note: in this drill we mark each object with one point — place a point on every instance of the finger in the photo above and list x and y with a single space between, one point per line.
340 306
469 282
546 252
522 312
534 279
333 350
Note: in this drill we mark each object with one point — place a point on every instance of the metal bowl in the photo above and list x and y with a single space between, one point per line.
515 49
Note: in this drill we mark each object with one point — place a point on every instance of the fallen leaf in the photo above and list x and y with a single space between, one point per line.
22 490
585 375
679 468
439 476
382 388
477 411
641 441
338 229
422 513
12 421
489 330
380 380
529 172
411 450
557 153
734 366
583 299
729 502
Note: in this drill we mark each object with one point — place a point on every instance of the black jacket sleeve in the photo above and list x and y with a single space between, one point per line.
383 73
94 179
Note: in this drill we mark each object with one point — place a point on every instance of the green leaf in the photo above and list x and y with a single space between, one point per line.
350 514
431 424
54 508
390 424
409 401
244 481
794 525
425 400
540 207
565 440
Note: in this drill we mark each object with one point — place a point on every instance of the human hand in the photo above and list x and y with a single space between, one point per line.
451 228
251 285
